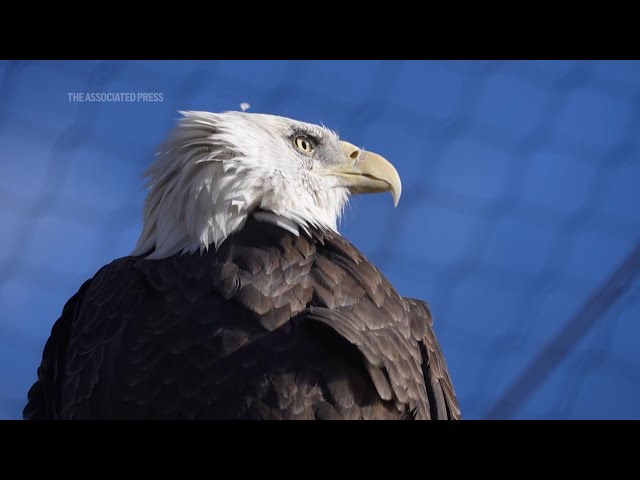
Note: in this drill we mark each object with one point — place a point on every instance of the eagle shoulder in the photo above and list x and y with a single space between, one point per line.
394 334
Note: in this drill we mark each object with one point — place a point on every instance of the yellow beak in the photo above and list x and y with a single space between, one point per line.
367 172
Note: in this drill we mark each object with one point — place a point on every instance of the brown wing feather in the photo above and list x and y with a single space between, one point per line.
44 396
437 378
271 325
394 334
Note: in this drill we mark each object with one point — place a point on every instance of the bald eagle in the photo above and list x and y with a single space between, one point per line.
241 300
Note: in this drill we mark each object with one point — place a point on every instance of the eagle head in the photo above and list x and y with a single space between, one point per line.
216 169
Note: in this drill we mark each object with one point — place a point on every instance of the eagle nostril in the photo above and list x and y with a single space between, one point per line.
354 155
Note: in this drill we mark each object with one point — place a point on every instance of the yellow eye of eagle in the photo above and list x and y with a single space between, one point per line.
303 143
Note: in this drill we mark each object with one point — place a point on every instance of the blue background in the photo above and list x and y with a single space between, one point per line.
521 193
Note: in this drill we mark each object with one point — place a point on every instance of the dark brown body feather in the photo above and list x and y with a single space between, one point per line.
271 326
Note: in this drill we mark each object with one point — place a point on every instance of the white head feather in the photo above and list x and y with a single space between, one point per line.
216 169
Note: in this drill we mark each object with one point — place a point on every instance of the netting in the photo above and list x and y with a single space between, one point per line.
520 195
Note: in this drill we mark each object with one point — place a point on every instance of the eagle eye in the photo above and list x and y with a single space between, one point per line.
303 143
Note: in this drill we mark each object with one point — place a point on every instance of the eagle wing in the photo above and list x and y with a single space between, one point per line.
442 398
44 396
394 334
229 334
77 351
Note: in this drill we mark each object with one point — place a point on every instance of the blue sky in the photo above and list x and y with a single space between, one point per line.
520 197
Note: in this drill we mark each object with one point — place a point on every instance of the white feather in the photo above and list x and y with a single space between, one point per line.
278 220
216 169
